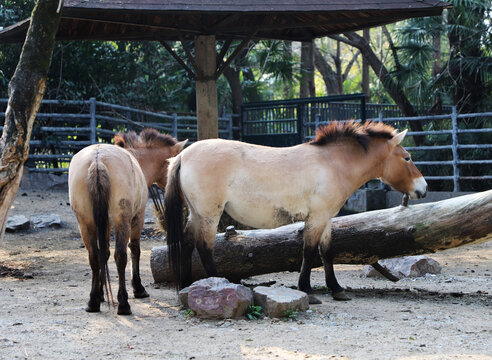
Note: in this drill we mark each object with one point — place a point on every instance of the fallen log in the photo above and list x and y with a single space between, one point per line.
357 239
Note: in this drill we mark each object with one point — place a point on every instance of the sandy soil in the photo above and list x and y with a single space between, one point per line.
45 283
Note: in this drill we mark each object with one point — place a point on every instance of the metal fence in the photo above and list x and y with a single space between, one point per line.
64 127
286 122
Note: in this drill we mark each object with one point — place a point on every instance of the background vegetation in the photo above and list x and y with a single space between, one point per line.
424 62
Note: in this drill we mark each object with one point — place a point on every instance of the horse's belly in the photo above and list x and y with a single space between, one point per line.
263 215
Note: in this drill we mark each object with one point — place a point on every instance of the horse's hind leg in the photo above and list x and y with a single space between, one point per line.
327 255
88 234
122 235
201 233
205 239
137 225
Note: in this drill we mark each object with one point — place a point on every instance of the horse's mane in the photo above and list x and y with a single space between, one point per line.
360 132
147 138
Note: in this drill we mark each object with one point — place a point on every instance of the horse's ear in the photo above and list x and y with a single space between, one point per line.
119 140
178 147
398 138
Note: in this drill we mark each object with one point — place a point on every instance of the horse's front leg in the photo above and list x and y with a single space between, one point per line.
327 255
312 233
137 225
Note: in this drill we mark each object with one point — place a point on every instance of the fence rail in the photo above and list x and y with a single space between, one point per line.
64 127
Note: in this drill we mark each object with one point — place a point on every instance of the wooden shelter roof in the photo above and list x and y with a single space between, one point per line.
166 20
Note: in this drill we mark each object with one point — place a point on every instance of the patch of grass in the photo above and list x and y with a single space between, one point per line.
188 313
254 312
290 314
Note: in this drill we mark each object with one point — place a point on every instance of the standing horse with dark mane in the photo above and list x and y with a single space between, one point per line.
265 187
108 187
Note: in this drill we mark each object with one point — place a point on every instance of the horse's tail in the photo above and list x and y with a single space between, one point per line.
99 190
173 205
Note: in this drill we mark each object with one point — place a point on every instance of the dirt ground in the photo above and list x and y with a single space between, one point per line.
45 283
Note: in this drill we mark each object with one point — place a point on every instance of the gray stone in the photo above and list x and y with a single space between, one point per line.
17 223
216 298
43 181
43 221
276 301
408 266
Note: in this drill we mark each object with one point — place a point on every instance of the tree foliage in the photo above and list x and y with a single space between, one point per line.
435 61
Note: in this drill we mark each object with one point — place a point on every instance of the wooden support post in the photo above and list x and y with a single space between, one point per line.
206 87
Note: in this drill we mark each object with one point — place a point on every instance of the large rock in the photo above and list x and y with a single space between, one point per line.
216 298
407 266
43 221
277 301
17 223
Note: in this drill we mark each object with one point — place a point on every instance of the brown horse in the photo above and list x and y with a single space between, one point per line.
266 187
108 187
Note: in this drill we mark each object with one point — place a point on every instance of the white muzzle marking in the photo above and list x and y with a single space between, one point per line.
420 189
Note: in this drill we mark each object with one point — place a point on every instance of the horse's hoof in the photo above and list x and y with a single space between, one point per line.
314 300
141 294
124 310
92 308
341 296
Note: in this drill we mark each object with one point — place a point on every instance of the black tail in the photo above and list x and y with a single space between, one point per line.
173 205
99 190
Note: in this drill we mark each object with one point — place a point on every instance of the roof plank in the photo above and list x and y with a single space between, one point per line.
169 20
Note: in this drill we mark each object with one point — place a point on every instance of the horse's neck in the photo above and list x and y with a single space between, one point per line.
361 166
145 159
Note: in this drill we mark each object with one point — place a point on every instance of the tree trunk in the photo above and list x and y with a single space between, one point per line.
307 88
393 88
26 90
329 76
365 68
357 239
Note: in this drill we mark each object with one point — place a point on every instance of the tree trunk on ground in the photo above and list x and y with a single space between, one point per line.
26 90
357 239
307 88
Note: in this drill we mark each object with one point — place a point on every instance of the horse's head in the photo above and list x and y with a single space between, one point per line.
152 150
400 172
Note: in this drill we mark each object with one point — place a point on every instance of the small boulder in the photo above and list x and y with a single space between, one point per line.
216 298
407 266
17 223
276 301
43 221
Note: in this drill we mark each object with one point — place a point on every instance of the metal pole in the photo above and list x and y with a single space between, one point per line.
363 116
175 125
229 125
456 170
93 125
300 122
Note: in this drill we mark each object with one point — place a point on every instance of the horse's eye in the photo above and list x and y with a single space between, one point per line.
407 159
